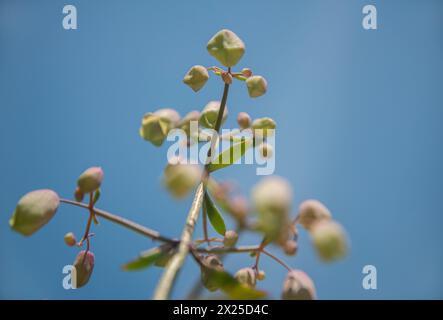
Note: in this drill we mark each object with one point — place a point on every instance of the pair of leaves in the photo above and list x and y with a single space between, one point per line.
232 154
232 287
158 255
214 215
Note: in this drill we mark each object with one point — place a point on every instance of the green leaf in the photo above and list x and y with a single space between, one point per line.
232 287
147 258
214 215
220 160
97 194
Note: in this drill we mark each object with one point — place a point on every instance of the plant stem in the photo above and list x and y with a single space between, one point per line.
152 234
169 275
167 280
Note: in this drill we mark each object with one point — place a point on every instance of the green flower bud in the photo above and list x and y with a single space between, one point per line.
261 275
290 247
156 126
246 72
266 150
257 86
230 238
84 265
196 77
329 240
90 180
70 239
243 120
185 123
312 211
226 47
33 211
180 179
298 286
210 262
209 115
272 198
246 276
262 126
78 195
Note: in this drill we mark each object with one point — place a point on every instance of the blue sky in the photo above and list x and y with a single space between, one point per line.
358 126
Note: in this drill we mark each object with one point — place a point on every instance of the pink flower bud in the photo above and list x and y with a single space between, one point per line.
298 286
227 77
243 120
290 247
33 211
90 180
70 239
312 211
84 265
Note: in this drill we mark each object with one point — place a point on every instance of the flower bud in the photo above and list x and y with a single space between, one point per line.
70 239
33 211
266 150
262 127
227 77
226 47
246 72
243 120
298 286
180 179
185 123
261 275
78 195
257 86
209 115
312 211
239 208
90 180
246 276
272 198
230 238
196 77
84 265
290 247
210 262
156 126
329 240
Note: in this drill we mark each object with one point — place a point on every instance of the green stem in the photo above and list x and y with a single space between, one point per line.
164 286
167 280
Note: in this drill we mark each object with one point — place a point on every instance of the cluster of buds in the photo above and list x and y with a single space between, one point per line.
271 197
328 236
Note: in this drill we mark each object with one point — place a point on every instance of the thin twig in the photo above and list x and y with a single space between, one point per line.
152 234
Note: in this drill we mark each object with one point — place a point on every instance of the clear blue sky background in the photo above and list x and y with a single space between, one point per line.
359 127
